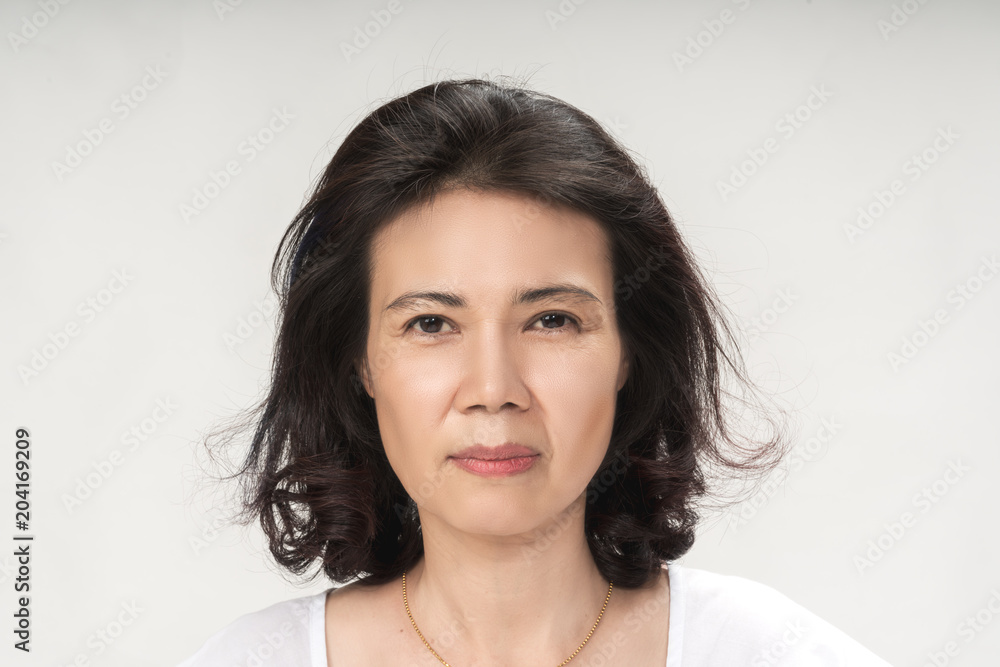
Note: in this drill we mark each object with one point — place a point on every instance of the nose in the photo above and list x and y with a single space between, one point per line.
494 371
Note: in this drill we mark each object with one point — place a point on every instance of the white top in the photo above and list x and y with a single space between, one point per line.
716 620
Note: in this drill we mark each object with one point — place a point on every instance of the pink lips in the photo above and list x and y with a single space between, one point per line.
508 450
506 459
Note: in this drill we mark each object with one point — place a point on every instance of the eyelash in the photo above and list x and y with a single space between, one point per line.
410 325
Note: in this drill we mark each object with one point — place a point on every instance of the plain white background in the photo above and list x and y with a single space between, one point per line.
841 98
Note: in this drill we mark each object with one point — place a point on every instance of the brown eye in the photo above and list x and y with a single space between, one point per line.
554 318
558 320
430 325
432 328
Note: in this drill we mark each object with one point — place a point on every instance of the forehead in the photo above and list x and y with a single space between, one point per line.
487 243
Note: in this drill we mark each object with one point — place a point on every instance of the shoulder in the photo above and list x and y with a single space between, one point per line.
286 629
733 620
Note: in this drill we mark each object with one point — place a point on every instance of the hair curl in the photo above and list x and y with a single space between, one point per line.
315 474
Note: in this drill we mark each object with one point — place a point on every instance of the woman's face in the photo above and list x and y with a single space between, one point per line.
482 357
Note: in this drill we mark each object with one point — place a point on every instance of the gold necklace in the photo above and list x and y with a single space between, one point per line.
579 648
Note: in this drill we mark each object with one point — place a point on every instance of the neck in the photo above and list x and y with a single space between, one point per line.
519 599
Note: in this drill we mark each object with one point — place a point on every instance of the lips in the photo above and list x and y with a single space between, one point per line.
508 450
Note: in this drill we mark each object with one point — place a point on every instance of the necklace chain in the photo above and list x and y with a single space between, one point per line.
579 648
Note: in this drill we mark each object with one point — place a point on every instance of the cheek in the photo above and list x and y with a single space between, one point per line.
582 376
578 395
411 400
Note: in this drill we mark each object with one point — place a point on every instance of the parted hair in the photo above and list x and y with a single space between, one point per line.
315 474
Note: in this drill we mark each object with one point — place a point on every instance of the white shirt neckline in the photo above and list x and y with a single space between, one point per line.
675 624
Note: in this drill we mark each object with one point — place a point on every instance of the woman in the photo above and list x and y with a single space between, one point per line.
497 397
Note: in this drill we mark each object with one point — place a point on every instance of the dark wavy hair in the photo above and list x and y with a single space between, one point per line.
316 475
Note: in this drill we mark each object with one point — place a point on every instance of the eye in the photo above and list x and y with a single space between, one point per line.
435 322
558 318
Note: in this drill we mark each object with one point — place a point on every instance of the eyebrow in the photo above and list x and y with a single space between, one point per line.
557 292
